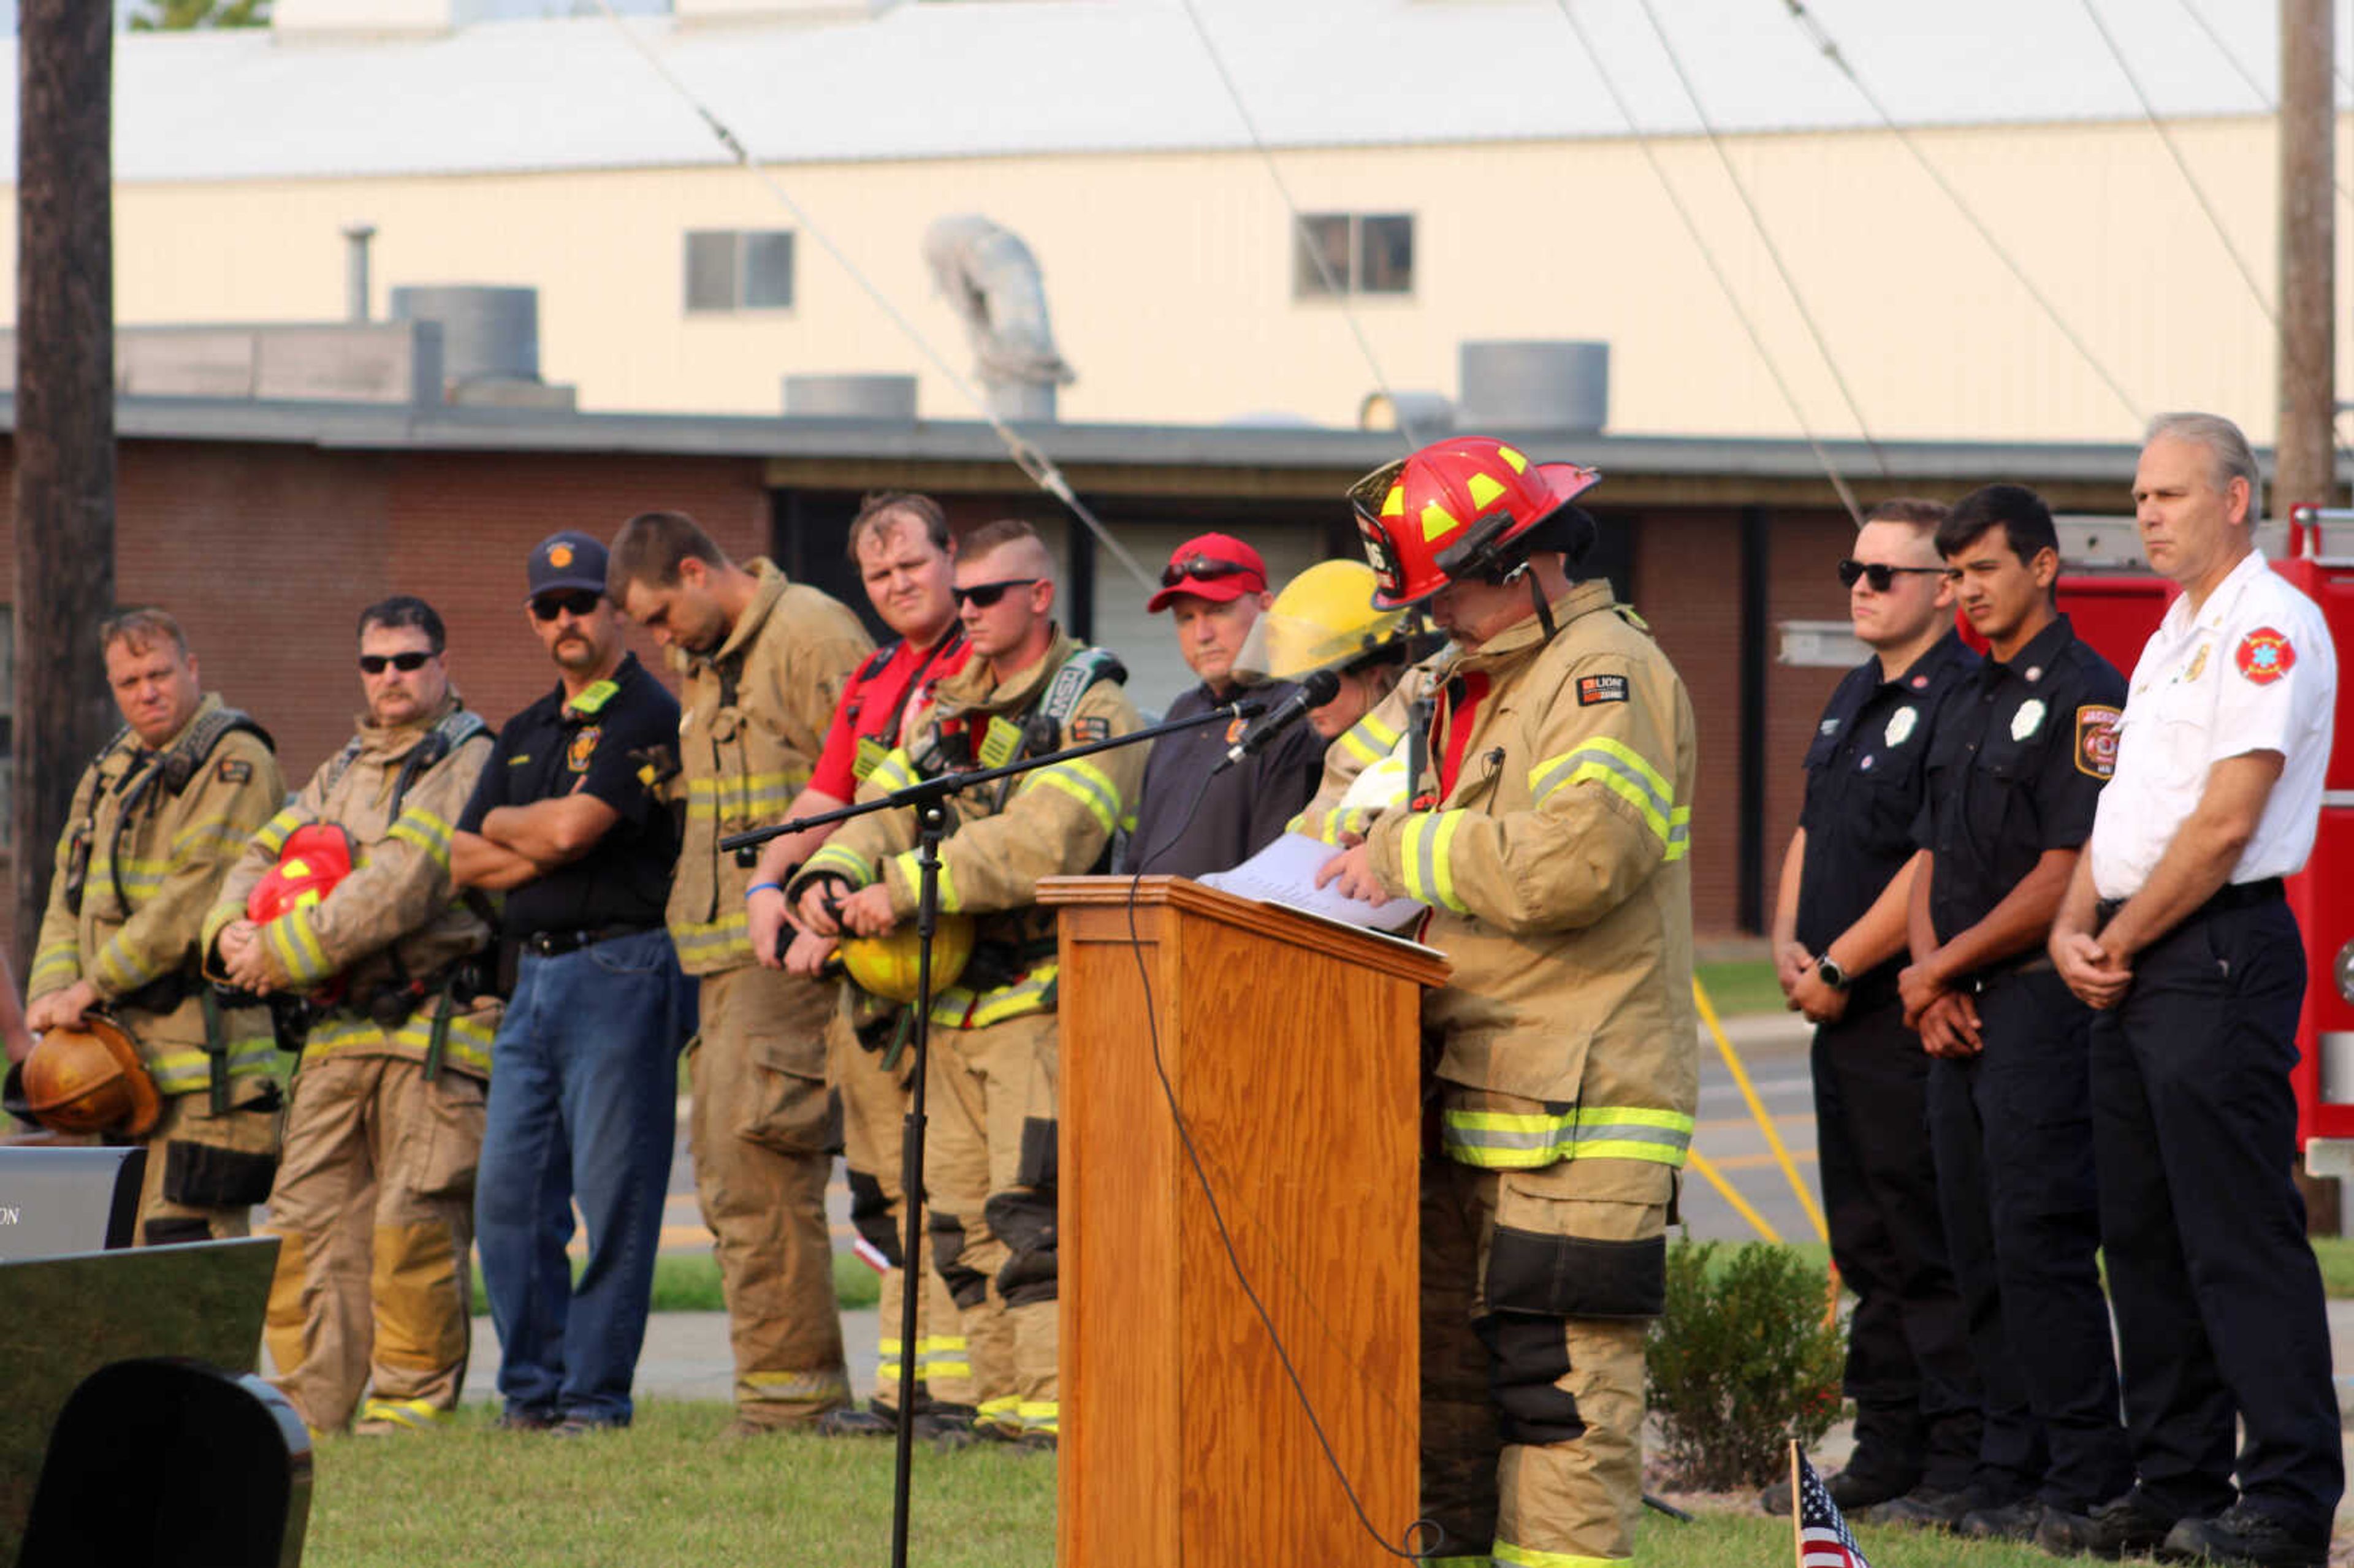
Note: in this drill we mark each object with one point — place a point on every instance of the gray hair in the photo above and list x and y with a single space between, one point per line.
2233 458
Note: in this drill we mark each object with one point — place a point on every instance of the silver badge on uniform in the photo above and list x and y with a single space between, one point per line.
2023 722
1899 725
1827 726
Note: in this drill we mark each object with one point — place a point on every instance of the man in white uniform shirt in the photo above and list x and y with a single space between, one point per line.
2176 929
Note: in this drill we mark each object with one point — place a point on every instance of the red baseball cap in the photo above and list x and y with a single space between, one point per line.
1215 566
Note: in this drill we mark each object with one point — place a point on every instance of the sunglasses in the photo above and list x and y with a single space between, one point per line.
1880 574
581 602
1201 567
983 595
373 664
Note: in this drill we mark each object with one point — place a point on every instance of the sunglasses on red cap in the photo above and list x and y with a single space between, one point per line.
1203 568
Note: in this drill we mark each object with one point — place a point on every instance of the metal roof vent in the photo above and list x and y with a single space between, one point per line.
1428 415
490 342
992 281
1533 384
889 399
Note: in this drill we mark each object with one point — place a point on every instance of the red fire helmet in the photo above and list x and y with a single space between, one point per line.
317 856
1451 511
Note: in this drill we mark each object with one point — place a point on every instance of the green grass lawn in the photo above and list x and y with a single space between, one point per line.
1743 986
691 1283
664 1494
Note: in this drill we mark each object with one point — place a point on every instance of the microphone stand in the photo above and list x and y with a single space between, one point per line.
929 800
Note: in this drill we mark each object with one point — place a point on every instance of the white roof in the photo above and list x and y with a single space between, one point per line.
932 79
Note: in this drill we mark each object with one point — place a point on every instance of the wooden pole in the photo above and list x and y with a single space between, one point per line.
65 425
2307 456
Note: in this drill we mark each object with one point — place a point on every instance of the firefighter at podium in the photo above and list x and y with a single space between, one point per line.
1539 801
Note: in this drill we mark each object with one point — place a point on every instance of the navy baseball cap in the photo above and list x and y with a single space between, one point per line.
562 562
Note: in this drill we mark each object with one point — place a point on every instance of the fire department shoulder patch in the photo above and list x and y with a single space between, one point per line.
234 772
2096 740
583 748
2264 656
1093 727
1593 689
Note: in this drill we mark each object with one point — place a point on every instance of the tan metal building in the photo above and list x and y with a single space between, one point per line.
1460 161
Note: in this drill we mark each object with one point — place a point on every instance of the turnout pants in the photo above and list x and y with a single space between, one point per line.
2218 1300
1909 1368
762 1134
374 1212
1536 1290
990 1176
205 1172
874 1123
2012 1128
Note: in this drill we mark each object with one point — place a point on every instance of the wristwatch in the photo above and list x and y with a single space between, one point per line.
1831 974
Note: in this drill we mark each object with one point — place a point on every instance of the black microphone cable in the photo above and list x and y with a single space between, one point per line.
1433 1533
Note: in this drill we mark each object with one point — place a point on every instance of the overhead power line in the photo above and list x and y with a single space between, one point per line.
2270 105
1830 49
2199 194
1026 455
2182 163
1765 238
1314 251
1716 269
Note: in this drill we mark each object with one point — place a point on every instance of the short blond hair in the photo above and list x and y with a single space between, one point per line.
140 629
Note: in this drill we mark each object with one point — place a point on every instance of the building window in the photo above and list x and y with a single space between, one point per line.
740 270
1363 253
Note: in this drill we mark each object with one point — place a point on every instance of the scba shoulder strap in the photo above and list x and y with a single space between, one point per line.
1043 724
443 738
184 761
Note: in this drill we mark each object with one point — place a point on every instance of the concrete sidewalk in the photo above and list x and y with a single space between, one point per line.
686 1356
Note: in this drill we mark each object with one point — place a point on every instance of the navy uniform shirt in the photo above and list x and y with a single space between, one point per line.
618 743
1865 772
2015 768
1243 810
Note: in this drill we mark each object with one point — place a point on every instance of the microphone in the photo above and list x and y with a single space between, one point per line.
1316 688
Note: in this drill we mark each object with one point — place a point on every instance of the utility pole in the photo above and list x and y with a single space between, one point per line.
65 425
2307 446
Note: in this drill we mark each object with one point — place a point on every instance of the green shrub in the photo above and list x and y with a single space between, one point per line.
1741 1362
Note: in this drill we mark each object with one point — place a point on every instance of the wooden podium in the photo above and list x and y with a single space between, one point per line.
1292 1048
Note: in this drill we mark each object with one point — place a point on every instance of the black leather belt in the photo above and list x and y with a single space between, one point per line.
551 944
2231 895
2029 963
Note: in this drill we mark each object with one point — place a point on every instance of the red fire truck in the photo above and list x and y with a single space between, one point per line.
2115 604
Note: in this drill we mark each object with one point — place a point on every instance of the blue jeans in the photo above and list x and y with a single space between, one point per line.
584 1093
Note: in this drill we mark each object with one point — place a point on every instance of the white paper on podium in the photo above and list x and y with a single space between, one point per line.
1285 872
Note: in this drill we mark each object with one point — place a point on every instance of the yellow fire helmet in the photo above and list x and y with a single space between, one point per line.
1324 616
885 966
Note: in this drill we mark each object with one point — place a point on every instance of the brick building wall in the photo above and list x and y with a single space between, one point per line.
1687 584
267 554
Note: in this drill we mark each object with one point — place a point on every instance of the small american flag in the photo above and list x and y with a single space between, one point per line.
1823 1539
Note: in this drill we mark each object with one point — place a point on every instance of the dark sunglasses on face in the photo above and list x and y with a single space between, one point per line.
1880 574
581 602
986 594
1202 567
373 664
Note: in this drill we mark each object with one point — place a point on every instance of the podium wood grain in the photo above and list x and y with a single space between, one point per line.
1292 1048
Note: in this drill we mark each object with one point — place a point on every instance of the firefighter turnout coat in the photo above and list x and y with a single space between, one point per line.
395 923
754 722
1551 843
149 838
1054 820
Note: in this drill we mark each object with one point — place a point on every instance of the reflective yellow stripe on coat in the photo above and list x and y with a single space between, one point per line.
468 1047
1621 770
1514 1141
